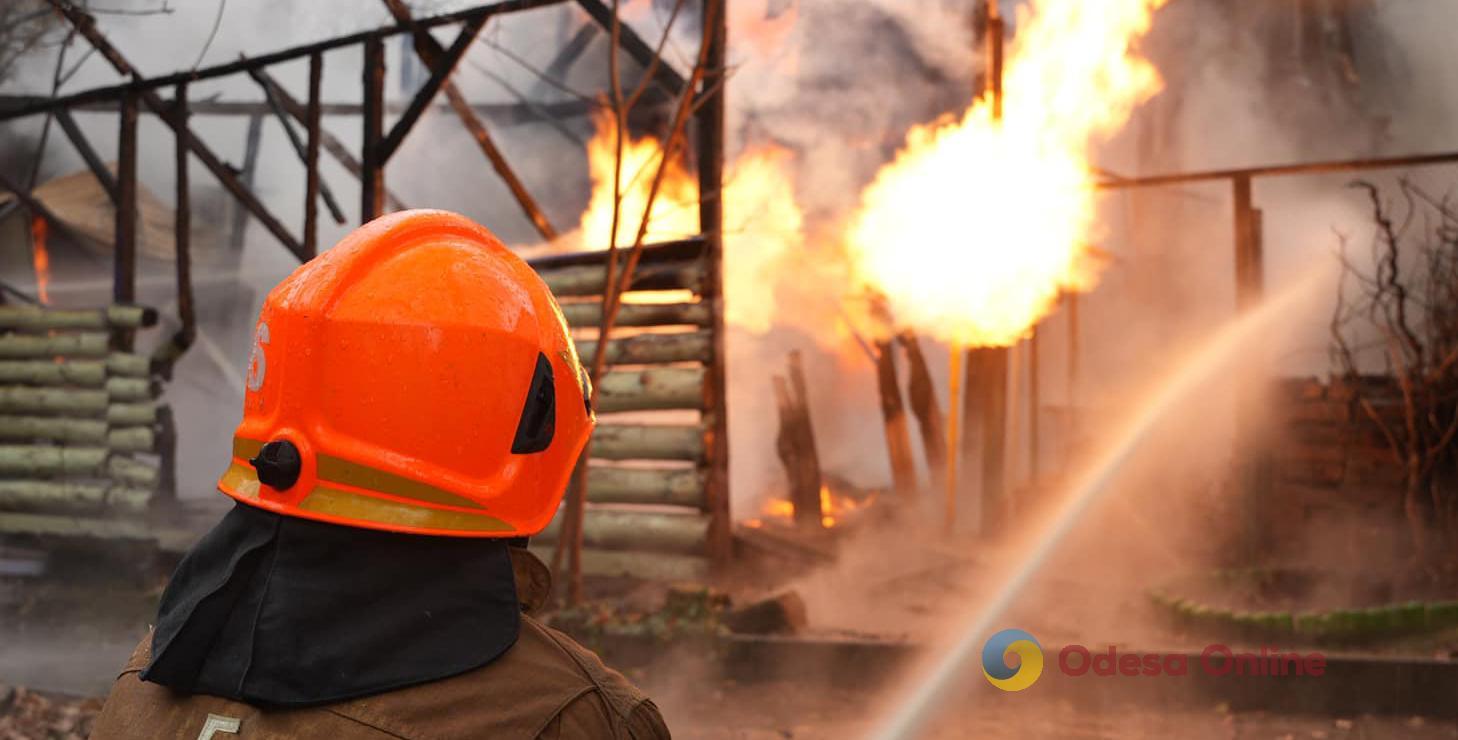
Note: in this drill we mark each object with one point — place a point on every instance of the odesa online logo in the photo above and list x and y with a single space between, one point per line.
994 660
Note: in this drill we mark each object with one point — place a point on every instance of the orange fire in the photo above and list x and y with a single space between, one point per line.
1004 210
834 508
40 258
762 221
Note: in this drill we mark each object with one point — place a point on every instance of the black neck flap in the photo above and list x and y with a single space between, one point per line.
277 610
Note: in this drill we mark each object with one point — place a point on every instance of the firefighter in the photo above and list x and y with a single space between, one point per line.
413 410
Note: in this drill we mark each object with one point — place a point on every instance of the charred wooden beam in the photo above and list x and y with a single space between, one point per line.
616 529
141 84
301 148
88 153
502 113
647 442
795 444
588 314
372 174
670 80
167 355
86 26
624 485
443 64
567 56
713 73
327 141
653 349
1249 277
893 417
922 394
312 131
124 256
44 320
680 250
651 389
436 58
252 141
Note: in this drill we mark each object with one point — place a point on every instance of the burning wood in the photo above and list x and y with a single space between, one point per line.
796 446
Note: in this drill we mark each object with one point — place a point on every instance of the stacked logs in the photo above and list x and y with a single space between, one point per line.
73 413
647 515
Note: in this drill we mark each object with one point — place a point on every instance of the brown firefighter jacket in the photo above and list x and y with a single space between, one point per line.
545 686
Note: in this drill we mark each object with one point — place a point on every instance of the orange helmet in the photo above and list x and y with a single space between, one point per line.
418 377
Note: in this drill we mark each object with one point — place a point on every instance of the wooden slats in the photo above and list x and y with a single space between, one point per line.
651 389
648 442
588 314
60 345
652 349
37 319
588 280
626 485
628 529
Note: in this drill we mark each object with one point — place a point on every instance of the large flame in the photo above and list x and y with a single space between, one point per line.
977 225
762 222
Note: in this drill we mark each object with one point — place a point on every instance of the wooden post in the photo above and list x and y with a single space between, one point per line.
311 156
124 288
796 445
995 33
1034 378
250 165
710 158
893 416
921 392
182 239
985 403
1256 462
1073 368
371 178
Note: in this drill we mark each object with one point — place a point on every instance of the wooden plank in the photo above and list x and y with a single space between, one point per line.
680 250
588 280
624 485
647 566
651 389
713 73
624 529
653 349
66 497
60 429
588 314
46 525
647 442
48 460
91 373
372 193
59 345
42 319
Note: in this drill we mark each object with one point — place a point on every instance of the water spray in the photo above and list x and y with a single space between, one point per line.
911 714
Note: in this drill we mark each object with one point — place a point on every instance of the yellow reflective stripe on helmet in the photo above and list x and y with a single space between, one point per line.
358 506
355 475
246 449
339 470
242 479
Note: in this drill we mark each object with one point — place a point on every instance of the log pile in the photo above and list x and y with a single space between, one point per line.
75 414
647 514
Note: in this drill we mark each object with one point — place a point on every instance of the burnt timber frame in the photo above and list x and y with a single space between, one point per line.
142 95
